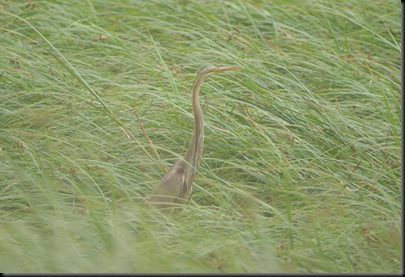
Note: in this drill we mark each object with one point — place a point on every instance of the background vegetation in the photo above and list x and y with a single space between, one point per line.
301 168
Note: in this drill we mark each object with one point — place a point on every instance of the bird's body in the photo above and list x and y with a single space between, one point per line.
176 185
171 188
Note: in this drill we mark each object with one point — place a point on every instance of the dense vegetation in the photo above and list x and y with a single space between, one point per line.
301 169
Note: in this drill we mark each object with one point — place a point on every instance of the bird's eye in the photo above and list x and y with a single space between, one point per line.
205 68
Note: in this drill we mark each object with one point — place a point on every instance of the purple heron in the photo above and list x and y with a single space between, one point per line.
176 185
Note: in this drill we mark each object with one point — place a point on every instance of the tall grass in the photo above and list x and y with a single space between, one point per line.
301 166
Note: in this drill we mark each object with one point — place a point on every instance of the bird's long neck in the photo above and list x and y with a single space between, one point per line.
193 155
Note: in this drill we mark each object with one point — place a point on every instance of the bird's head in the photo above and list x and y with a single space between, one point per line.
208 70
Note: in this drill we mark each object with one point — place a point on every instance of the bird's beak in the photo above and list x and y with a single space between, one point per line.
224 68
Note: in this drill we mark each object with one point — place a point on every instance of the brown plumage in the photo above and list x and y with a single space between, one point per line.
176 185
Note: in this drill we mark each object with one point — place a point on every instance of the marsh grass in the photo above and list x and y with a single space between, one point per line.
301 167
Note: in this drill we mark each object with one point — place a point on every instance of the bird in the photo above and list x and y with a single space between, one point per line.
175 187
